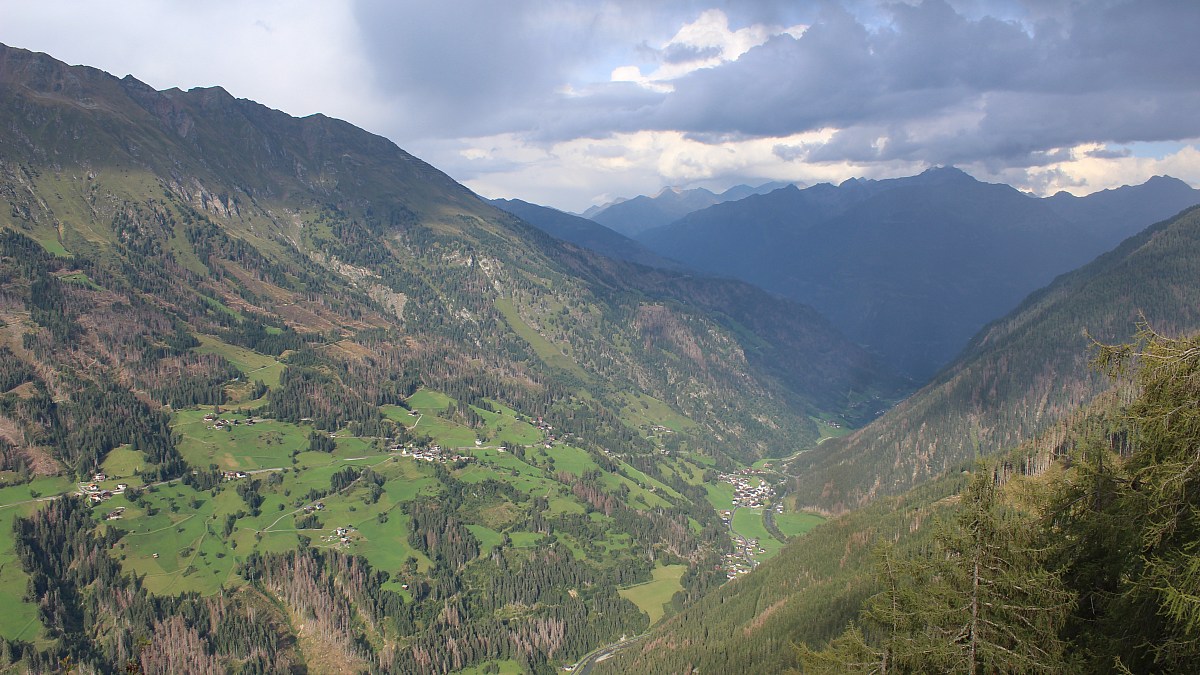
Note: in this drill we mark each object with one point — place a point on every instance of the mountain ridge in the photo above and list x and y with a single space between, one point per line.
911 267
635 215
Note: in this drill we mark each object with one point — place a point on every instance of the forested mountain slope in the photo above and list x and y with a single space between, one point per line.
299 377
912 267
96 166
1073 553
1019 375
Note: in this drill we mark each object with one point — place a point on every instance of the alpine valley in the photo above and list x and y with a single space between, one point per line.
278 397
331 411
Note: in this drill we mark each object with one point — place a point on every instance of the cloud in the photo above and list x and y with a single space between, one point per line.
700 90
1109 153
1088 167
878 88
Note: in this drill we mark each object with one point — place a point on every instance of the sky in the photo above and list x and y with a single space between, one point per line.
573 103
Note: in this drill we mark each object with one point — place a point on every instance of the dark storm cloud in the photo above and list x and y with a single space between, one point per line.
470 67
1110 153
922 82
1122 74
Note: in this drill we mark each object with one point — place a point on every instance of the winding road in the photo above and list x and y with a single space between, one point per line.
587 663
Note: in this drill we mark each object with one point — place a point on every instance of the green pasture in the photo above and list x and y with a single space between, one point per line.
524 539
488 538
570 459
549 353
651 596
385 545
638 495
398 414
644 410
827 431
123 462
505 427
795 524
749 524
253 365
80 279
267 444
19 620
444 432
720 495
428 400
185 535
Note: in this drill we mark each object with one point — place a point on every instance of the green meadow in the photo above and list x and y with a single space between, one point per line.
253 365
795 524
178 539
266 444
651 596
749 524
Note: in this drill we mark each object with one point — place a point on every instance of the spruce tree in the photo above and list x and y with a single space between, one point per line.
978 600
1128 529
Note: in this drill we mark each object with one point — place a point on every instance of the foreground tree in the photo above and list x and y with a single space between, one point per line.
978 600
1127 529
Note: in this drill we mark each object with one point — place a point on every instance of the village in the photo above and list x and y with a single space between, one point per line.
340 537
750 491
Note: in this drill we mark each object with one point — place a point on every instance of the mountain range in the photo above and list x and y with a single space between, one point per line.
631 217
584 232
911 268
1021 374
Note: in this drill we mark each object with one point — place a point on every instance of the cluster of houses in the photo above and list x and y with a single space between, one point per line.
742 559
749 489
220 423
432 453
319 506
340 536
98 494
233 475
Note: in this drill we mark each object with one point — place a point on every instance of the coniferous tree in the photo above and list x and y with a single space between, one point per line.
979 600
1127 528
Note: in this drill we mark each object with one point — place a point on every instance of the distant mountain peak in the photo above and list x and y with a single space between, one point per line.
1165 180
633 216
946 173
